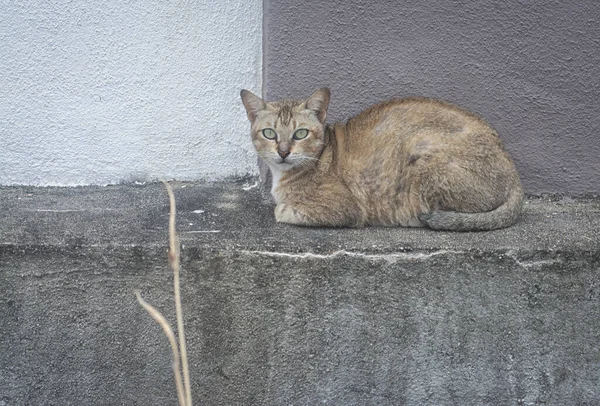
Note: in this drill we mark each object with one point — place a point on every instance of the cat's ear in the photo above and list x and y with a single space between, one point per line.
252 103
318 103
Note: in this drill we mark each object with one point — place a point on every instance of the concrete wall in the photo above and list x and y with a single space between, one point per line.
531 69
118 91
113 91
281 315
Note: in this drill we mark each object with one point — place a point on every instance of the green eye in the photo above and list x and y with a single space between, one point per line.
269 134
301 134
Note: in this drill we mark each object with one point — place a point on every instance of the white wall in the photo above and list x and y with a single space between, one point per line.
106 91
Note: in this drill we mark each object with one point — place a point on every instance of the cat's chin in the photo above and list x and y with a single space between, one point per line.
283 166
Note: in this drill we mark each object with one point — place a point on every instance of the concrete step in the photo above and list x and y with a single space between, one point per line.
283 315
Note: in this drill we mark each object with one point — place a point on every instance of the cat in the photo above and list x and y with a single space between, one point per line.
409 162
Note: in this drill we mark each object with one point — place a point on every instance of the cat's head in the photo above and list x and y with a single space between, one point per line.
288 133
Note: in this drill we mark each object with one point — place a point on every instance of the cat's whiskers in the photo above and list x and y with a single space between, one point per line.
307 162
310 158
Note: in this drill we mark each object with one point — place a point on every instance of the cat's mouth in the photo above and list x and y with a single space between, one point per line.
284 164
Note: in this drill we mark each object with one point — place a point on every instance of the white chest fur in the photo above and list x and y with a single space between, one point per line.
276 178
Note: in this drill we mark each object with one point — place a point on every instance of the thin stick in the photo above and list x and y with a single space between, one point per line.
174 263
169 333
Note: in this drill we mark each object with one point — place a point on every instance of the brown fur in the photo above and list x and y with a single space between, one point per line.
409 162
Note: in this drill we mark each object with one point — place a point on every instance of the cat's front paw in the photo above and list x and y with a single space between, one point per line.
284 213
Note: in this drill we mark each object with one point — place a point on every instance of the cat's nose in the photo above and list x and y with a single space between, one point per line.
283 154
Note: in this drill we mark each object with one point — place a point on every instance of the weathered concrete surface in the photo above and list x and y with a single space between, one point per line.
280 315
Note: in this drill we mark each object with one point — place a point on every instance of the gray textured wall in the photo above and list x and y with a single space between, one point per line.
531 69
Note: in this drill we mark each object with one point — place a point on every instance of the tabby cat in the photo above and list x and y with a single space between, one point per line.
411 162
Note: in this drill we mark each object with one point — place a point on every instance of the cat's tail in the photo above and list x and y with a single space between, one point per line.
502 216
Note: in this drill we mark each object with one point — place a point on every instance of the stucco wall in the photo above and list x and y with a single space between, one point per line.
532 69
111 91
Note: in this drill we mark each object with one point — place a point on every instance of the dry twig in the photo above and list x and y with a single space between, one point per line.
156 315
174 263
184 392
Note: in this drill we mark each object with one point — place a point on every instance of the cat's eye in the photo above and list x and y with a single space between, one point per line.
269 134
301 134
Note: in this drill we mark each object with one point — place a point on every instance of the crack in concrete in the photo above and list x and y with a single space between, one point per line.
248 186
389 258
67 210
531 264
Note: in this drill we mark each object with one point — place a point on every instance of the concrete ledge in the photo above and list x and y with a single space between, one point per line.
278 315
